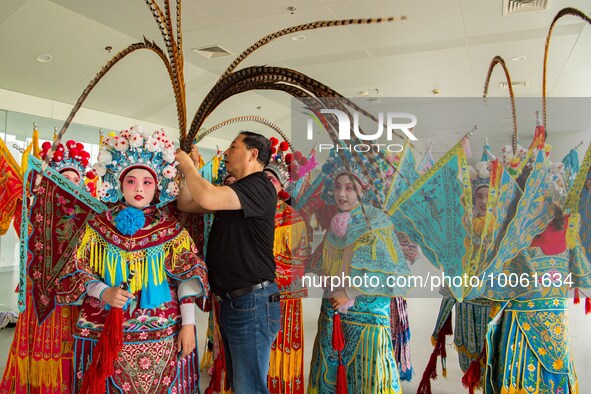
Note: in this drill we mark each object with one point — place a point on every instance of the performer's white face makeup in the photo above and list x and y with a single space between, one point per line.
344 192
273 180
139 188
480 200
72 176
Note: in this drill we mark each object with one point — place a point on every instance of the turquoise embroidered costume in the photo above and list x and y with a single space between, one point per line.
376 253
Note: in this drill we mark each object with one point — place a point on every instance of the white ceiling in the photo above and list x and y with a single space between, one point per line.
443 44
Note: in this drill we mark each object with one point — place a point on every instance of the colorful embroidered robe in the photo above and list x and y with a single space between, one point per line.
363 251
162 254
40 357
291 250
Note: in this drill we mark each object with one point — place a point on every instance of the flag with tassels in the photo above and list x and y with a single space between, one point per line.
438 207
11 187
578 235
57 217
106 350
405 174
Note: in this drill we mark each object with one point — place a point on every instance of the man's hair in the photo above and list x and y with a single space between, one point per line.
259 142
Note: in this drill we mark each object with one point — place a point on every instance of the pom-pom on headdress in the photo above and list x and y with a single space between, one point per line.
557 188
286 166
135 148
479 175
71 157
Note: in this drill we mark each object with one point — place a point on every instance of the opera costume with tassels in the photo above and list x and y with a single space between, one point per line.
471 316
163 256
40 357
148 250
360 243
368 355
528 342
291 251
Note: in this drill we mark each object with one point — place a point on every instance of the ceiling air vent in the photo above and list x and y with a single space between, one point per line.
513 7
515 84
212 51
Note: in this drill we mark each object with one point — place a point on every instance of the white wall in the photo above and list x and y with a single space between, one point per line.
18 102
38 107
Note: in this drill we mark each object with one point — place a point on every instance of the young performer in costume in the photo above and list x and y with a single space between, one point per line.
40 357
472 316
361 242
291 250
139 244
528 347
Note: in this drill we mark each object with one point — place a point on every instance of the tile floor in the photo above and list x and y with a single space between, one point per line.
422 314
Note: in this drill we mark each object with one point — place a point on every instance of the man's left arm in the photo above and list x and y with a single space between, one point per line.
206 197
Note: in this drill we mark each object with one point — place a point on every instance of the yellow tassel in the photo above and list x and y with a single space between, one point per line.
162 273
96 248
123 271
104 259
177 246
40 373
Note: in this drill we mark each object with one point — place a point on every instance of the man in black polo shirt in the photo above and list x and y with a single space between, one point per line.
239 257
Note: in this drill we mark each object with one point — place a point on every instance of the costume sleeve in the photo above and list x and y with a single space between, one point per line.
187 314
77 274
95 289
185 266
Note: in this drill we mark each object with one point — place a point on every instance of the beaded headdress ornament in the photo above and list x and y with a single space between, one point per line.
134 148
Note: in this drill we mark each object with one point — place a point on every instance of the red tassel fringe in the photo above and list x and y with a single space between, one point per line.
105 352
338 338
577 296
341 380
587 306
439 349
338 344
471 378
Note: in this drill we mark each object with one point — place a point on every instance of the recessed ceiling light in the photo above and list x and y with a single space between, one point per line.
44 58
300 37
518 58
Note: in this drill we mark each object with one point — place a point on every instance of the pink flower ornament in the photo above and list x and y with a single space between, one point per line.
340 223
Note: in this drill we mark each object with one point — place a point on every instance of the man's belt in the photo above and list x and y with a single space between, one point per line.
232 295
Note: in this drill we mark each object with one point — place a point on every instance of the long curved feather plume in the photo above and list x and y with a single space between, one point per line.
245 118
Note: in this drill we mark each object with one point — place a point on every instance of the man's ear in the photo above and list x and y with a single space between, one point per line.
254 154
